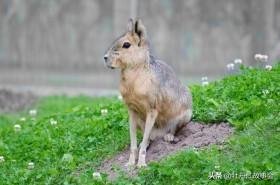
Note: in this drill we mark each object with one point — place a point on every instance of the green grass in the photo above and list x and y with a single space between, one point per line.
69 152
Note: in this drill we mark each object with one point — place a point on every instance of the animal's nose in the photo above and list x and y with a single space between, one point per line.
105 57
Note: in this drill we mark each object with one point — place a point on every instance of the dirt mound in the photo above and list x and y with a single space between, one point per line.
194 134
11 101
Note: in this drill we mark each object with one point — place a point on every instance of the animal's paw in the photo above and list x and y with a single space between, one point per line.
131 161
141 161
130 164
169 137
141 164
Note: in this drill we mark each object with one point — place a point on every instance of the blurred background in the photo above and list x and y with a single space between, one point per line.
57 46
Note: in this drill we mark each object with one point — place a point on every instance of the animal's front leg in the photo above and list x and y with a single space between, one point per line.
150 121
133 139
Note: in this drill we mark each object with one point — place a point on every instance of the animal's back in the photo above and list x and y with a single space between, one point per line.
174 97
169 83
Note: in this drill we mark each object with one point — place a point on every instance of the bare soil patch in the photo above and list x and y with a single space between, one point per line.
193 135
11 101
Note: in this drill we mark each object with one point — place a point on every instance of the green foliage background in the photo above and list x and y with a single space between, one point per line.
69 152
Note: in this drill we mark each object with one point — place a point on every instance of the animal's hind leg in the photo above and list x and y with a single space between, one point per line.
185 120
176 124
157 133
164 133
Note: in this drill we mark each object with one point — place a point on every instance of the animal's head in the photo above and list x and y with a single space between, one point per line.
130 49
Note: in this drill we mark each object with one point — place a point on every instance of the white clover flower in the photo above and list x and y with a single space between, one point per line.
96 175
33 112
120 97
268 67
238 61
196 152
205 83
264 58
53 122
23 119
30 165
230 66
258 57
67 157
17 127
217 167
265 91
261 58
104 111
2 159
205 78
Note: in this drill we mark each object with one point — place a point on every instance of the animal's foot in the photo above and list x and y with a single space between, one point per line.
130 163
142 160
132 159
141 164
169 137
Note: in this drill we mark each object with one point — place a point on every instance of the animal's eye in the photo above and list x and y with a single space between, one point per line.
126 45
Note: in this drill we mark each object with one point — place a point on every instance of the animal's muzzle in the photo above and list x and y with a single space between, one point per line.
106 58
108 61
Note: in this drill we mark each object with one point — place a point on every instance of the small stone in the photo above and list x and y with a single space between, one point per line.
198 134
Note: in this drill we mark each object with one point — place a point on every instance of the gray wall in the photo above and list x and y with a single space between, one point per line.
203 35
196 37
54 34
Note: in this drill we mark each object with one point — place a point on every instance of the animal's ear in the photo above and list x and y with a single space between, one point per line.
130 25
140 30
